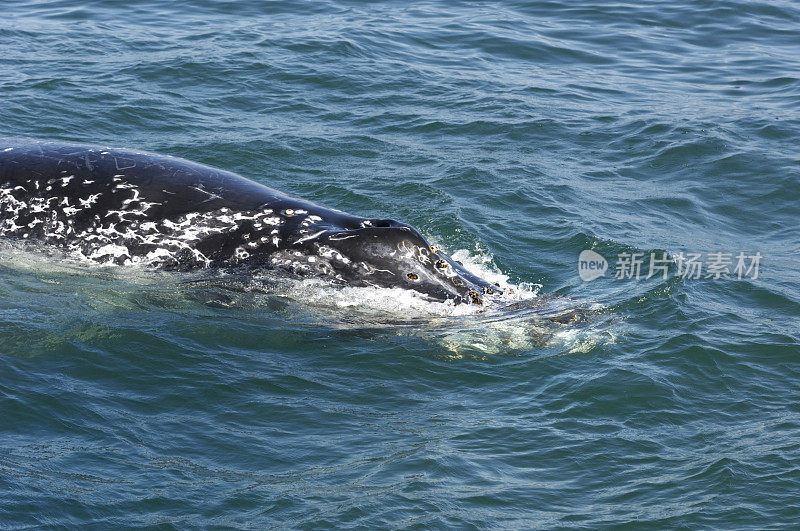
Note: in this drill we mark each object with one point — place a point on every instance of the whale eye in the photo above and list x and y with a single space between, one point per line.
413 277
475 298
441 264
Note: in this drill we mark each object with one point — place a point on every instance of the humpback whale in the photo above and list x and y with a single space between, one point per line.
126 207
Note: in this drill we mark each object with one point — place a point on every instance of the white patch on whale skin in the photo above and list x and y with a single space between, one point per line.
330 253
113 235
89 201
127 202
240 254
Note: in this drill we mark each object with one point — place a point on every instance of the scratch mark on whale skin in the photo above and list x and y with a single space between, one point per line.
119 230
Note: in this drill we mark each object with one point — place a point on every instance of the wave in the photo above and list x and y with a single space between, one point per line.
525 319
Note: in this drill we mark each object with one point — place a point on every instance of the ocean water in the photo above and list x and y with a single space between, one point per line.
515 135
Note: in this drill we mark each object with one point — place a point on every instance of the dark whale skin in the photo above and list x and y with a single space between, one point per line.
129 207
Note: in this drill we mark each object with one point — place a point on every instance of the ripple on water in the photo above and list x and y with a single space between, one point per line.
521 133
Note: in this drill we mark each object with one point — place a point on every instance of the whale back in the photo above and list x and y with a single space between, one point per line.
123 206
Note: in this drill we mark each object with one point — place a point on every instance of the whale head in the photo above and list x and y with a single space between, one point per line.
390 254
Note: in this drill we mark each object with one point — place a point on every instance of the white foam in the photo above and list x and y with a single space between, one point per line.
461 330
482 265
